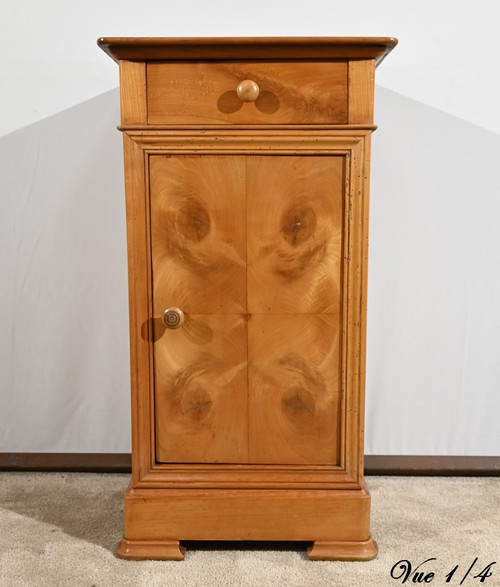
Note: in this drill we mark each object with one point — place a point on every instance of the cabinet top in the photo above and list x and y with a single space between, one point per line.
262 48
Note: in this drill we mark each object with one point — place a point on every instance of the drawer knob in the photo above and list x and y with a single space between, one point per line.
173 317
248 90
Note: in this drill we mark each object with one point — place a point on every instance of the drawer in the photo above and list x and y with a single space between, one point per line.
312 92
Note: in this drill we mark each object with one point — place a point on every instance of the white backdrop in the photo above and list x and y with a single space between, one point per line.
434 318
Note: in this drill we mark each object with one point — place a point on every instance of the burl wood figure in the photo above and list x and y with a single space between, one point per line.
246 167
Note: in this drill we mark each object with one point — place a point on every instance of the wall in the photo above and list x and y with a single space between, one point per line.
433 366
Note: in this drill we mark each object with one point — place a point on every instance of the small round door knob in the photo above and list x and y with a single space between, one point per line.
248 90
173 317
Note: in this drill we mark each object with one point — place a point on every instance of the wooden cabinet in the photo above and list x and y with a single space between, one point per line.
246 165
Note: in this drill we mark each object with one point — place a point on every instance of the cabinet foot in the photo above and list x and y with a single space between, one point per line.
343 550
150 549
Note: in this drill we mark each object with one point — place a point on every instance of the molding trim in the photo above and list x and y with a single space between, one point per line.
287 141
425 465
403 465
257 48
67 462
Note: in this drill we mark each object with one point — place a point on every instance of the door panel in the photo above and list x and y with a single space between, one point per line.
295 232
251 249
201 390
295 218
198 243
198 233
294 380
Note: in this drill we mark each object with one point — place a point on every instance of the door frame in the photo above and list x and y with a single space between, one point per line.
351 143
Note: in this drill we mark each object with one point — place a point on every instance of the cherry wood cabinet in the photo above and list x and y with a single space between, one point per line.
246 166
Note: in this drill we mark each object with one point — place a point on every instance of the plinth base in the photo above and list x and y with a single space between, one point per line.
337 521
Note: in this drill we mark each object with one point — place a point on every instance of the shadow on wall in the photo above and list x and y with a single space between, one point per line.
64 311
433 291
434 284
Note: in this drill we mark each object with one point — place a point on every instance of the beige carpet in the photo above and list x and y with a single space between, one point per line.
60 529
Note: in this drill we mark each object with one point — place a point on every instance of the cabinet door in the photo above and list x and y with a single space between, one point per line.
251 249
294 252
198 239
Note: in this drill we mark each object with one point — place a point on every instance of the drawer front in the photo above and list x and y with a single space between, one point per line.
206 93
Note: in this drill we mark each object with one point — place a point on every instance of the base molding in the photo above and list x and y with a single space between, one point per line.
413 465
426 465
66 462
365 550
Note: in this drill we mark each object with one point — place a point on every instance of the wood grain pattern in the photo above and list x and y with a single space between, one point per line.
294 385
355 316
295 219
198 240
290 93
159 514
133 103
198 232
361 90
201 390
139 279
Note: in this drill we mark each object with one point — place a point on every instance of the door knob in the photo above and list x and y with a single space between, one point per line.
248 90
173 317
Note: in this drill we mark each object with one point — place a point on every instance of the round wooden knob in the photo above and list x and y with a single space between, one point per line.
173 317
248 90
